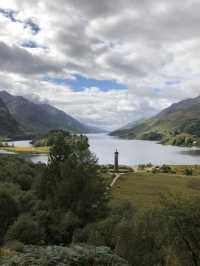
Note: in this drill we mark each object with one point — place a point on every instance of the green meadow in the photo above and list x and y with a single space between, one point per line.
145 190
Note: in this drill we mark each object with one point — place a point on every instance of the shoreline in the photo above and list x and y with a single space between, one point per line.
26 150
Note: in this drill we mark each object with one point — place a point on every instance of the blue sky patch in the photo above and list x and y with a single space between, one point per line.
30 44
80 83
32 25
9 13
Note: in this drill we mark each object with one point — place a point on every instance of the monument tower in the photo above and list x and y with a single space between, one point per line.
116 161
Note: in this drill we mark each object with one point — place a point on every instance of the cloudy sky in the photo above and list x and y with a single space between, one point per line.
104 62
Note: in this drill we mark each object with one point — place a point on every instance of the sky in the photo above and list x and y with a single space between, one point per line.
107 63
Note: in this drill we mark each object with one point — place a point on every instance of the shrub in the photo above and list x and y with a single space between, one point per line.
68 225
24 229
166 169
8 212
14 245
188 171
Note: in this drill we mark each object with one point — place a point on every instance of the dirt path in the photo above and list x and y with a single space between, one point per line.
117 176
135 169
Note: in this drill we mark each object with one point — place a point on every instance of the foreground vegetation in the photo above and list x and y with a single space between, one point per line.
64 213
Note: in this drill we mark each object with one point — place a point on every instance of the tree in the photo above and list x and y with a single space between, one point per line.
72 181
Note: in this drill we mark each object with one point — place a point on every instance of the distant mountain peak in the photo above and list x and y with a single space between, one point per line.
41 117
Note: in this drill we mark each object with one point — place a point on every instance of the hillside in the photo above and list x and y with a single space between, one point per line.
40 118
178 125
8 125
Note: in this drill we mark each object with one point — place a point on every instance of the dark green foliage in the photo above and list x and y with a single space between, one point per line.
182 218
26 201
103 232
8 212
165 169
24 229
17 178
72 181
188 171
19 171
152 135
50 138
68 224
166 236
193 127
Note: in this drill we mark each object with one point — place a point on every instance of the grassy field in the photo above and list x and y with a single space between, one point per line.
31 150
144 190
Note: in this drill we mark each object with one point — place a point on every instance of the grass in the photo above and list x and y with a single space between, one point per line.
144 190
4 252
31 150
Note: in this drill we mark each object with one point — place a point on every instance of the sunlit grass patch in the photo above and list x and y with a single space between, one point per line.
4 252
144 190
32 150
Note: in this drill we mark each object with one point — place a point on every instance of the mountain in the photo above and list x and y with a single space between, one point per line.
8 125
132 124
40 118
178 125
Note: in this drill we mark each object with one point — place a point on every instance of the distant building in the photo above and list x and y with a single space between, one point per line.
116 161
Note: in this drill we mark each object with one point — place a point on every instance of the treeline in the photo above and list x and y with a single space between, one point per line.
68 201
51 137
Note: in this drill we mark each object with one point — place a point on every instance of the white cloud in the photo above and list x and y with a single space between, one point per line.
152 47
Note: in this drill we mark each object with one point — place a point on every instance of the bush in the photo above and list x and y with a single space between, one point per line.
188 171
166 169
8 212
19 171
68 225
14 245
24 229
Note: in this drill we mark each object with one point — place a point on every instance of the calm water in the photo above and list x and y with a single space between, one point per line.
131 152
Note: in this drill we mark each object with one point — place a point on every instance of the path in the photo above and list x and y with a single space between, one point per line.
117 176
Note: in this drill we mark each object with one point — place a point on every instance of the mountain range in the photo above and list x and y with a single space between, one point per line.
20 116
178 125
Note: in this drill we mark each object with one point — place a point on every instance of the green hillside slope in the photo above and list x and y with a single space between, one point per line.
177 125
